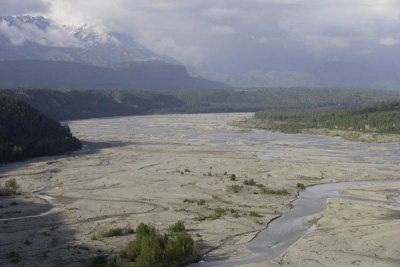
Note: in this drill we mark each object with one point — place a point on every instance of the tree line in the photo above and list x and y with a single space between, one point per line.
83 104
378 118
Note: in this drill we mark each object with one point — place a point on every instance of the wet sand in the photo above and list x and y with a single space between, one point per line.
155 169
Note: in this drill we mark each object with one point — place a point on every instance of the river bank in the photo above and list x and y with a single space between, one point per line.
359 231
304 218
356 136
161 169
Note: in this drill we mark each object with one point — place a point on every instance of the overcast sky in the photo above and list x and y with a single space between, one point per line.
232 36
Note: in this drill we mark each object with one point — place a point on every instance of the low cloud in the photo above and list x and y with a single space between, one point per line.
28 32
240 36
168 46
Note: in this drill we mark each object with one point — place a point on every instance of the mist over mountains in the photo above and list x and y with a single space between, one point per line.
36 38
330 74
36 52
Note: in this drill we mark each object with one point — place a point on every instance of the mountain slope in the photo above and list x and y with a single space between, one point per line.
25 133
138 75
37 52
83 104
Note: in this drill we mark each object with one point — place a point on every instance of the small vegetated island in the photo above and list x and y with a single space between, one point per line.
368 123
26 133
152 248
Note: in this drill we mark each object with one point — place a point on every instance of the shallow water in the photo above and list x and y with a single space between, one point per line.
183 129
287 229
55 208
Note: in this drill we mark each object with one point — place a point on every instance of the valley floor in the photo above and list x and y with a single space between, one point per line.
161 169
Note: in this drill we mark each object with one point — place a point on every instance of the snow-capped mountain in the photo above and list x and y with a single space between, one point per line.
90 35
28 37
37 52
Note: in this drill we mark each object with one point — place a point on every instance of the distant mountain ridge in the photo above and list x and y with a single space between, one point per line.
37 52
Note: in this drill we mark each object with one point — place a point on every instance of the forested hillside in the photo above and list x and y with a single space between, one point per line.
25 133
378 118
82 104
250 100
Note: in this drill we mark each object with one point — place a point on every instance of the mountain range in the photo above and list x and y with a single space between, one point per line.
331 74
38 52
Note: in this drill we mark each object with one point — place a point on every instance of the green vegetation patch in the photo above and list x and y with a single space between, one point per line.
25 133
300 186
10 188
178 227
119 231
254 214
250 182
108 261
271 191
151 248
215 214
235 213
235 188
378 118
218 213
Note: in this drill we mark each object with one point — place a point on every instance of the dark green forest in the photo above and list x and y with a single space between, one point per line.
377 118
25 133
82 104
251 100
